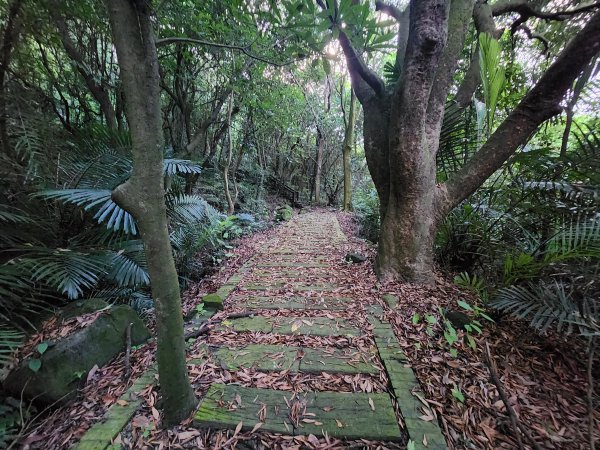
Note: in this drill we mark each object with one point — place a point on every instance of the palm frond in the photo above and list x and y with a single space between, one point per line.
68 272
547 305
492 74
128 266
107 211
180 166
186 208
10 340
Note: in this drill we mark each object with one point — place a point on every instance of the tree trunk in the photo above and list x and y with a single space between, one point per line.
318 165
227 165
402 124
347 151
143 196
9 40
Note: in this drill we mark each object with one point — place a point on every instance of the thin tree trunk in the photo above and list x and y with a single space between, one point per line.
318 165
9 39
143 196
230 203
347 150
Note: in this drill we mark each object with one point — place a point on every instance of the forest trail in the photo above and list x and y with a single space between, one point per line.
315 327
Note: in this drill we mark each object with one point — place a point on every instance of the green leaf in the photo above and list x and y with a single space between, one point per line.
42 347
431 319
416 318
326 66
472 342
458 395
35 364
464 305
410 445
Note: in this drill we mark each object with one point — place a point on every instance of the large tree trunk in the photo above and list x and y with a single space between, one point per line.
402 125
347 151
143 196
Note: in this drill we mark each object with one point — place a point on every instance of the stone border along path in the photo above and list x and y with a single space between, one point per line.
293 254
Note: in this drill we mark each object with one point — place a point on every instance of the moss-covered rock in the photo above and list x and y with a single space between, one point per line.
212 301
66 362
284 213
80 307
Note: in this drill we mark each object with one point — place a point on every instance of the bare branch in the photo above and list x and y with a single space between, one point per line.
526 9
245 50
533 35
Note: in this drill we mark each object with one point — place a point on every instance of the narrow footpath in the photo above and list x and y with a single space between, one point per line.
345 374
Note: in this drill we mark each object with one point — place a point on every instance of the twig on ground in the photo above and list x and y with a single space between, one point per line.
514 420
206 325
590 393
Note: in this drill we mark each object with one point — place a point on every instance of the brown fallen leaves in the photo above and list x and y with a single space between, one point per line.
543 378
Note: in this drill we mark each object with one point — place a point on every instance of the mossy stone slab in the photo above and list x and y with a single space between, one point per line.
294 303
213 301
342 415
350 416
299 265
247 325
267 358
346 361
225 406
295 285
273 358
314 326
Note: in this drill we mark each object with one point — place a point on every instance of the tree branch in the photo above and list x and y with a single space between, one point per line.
390 10
526 9
540 104
245 50
357 66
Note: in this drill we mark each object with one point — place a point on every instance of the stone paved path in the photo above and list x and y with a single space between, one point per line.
294 273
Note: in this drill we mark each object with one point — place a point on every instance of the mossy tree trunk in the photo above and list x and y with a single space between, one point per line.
143 195
228 157
347 151
402 123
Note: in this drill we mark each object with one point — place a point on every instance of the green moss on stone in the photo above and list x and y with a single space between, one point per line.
212 301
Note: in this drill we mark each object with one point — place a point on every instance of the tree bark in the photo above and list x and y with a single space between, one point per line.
347 151
143 196
402 128
9 40
96 88
318 165
230 203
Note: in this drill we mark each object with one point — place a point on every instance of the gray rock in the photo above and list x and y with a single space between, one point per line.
65 363
356 258
458 319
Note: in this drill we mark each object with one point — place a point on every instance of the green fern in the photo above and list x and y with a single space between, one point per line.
547 305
